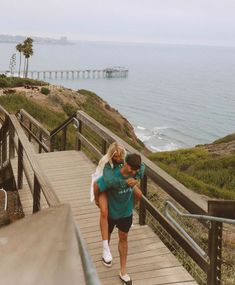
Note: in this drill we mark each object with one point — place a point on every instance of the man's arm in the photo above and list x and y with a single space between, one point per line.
137 193
140 172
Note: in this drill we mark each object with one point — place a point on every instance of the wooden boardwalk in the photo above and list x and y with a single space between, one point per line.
149 261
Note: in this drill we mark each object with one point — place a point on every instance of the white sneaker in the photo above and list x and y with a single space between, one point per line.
126 279
107 258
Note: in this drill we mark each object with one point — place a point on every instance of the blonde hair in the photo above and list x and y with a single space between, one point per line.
107 158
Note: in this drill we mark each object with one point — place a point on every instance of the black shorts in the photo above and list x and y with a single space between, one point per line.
123 224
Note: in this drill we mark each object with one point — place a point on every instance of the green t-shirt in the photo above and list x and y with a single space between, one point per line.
120 195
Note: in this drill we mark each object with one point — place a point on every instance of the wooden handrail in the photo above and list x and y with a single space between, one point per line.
4 112
23 113
186 197
44 183
39 239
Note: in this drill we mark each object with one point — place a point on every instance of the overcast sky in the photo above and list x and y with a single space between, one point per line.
191 21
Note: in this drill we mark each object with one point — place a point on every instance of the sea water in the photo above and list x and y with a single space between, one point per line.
175 96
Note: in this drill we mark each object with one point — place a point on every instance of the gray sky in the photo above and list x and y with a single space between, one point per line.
180 21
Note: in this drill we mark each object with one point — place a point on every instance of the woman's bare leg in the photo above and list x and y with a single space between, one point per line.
102 202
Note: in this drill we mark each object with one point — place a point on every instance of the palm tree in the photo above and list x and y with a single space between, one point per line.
27 51
19 48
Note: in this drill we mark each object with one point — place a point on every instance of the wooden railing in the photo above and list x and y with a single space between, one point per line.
16 145
94 138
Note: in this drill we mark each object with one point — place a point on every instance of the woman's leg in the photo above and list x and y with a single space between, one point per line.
103 204
104 228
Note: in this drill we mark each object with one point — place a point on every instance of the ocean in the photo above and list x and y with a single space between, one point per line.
175 96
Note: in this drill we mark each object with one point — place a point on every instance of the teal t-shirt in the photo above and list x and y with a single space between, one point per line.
120 199
120 195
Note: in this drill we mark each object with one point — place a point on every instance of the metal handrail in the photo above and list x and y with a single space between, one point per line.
5 204
207 218
198 217
63 125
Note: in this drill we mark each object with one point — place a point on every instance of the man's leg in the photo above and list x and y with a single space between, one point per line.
123 249
124 225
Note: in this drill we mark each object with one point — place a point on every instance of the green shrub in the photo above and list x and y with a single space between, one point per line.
69 109
45 90
11 82
14 102
3 82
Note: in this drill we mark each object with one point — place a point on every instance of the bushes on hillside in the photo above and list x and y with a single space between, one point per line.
45 91
69 109
10 82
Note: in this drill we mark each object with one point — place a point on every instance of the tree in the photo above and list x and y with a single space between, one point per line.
28 51
19 48
12 64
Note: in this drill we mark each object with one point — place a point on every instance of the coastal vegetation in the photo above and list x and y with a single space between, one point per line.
207 169
204 171
11 82
65 102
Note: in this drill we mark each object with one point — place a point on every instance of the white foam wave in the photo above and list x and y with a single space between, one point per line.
144 138
167 147
140 128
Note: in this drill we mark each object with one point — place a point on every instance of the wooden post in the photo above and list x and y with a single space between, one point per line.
30 130
52 141
223 209
40 139
11 143
64 139
79 143
20 166
36 195
104 147
142 213
1 152
4 148
214 252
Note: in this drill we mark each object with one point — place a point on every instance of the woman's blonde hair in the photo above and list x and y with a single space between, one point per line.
107 158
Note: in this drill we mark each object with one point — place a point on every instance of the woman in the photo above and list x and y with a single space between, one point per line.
105 173
113 158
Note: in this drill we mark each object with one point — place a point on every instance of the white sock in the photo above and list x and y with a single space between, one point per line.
106 244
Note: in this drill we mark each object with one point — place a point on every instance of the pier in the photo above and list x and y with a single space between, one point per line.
112 72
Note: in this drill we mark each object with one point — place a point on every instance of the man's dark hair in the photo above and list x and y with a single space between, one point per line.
134 160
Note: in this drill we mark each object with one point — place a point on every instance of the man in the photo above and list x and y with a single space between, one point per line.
120 205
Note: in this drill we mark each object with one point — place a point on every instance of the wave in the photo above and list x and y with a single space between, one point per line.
161 138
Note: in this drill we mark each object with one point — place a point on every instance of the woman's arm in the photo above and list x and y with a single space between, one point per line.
110 179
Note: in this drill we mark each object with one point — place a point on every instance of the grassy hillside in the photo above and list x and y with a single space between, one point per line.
199 169
208 169
52 107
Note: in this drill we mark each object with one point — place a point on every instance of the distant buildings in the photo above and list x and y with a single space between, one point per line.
39 40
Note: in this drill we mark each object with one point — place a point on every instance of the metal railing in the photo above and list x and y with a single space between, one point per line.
5 200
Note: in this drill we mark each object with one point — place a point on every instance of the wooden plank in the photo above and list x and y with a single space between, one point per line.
48 256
